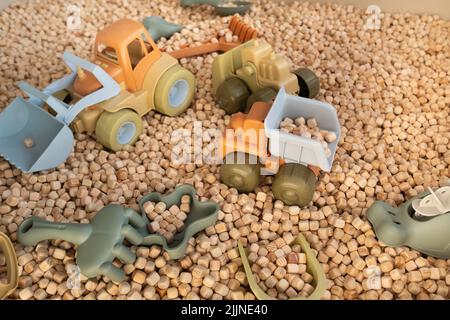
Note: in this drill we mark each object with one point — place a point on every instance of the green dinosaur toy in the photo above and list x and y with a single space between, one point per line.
99 242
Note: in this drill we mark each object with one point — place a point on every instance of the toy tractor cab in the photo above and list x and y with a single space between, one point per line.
152 79
124 50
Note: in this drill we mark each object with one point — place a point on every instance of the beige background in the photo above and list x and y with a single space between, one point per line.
440 7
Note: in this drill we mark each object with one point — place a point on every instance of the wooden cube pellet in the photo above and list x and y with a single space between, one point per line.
280 243
139 276
291 293
170 219
160 207
163 283
153 226
181 216
172 293
301 258
308 289
168 236
171 228
261 196
271 247
414 276
307 277
293 268
148 207
271 282
153 278
279 272
59 254
206 292
163 224
179 225
221 289
279 253
282 285
292 258
185 207
165 215
220 227
237 295
174 210
297 283
434 274
281 262
185 199
265 273
262 261
216 252
330 136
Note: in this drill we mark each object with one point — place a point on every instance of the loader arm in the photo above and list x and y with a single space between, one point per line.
67 113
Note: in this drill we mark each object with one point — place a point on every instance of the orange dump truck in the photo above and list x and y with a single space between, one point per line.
253 145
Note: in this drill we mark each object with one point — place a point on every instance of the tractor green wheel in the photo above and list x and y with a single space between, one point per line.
232 95
294 184
309 83
114 130
262 95
174 91
240 171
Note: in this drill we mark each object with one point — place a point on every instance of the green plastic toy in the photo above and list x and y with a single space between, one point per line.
202 215
402 226
160 28
314 268
99 242
222 7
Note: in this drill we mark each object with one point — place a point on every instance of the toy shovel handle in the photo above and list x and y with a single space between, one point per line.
33 230
214 3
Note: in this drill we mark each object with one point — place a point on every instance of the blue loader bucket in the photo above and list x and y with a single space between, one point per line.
50 141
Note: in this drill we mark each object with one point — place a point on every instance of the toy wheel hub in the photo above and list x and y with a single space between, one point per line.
178 93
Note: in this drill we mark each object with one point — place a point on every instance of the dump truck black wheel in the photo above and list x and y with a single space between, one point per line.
232 95
309 83
114 130
266 94
294 184
240 171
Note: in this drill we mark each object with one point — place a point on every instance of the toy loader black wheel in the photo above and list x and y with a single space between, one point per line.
294 184
309 83
240 171
262 95
232 95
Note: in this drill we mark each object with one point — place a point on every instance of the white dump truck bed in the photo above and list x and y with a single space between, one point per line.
297 149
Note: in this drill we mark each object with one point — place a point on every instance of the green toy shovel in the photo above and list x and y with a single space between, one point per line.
99 242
